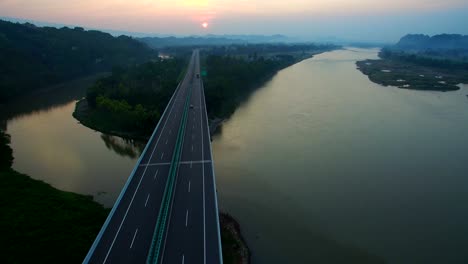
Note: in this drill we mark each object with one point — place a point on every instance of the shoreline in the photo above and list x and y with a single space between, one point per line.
235 249
233 240
405 75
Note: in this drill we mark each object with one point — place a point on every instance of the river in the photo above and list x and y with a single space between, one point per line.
318 165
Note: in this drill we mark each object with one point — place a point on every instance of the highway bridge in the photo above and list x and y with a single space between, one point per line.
167 211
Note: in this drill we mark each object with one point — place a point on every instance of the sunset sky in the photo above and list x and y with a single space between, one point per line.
308 19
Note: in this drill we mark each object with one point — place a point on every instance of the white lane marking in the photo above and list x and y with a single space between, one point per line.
125 216
192 148
189 186
170 131
133 240
183 259
166 141
193 136
162 155
203 173
182 162
186 218
191 164
155 175
138 186
193 126
171 206
147 198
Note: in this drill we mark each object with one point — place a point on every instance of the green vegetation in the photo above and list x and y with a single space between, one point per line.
235 250
231 79
41 224
130 101
416 70
33 57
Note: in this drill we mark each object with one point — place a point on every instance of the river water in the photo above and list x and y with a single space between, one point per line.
319 165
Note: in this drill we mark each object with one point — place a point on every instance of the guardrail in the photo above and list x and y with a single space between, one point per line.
130 178
160 228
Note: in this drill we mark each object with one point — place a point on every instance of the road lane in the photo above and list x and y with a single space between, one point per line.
192 231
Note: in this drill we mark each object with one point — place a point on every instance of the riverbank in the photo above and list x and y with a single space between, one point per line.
406 75
235 248
97 120
52 226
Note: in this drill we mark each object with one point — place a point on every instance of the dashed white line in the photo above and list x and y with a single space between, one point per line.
189 186
192 148
138 186
133 240
183 259
186 218
166 141
162 155
147 198
155 175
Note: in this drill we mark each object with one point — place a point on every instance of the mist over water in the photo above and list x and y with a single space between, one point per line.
321 160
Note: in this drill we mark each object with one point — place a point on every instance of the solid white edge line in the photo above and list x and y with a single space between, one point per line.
130 178
214 183
136 190
172 203
203 172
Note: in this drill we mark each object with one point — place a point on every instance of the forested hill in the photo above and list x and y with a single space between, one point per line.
35 57
419 42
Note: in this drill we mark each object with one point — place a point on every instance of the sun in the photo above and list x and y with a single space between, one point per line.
204 24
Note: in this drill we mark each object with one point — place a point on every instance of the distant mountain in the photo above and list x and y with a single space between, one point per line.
419 42
33 57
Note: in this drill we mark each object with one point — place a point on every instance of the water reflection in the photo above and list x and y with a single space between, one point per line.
46 100
50 145
124 147
320 153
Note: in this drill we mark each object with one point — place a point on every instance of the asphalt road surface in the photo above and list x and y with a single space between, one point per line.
191 233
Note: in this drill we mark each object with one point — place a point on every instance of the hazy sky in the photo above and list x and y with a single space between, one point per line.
345 19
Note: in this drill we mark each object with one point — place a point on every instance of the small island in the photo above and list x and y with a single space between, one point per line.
419 62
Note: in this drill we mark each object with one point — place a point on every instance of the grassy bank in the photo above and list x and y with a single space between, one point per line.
402 73
41 224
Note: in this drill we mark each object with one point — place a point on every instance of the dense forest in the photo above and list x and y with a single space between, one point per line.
132 98
52 226
449 59
35 57
130 101
229 79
